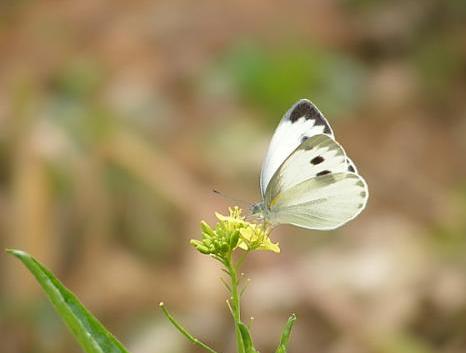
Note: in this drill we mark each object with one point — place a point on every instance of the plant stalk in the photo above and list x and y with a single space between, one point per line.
184 332
235 298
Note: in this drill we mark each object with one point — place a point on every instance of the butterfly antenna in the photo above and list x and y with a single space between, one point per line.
215 191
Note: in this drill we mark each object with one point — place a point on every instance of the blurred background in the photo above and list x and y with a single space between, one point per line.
117 118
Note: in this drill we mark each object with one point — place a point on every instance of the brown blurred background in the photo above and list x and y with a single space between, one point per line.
117 118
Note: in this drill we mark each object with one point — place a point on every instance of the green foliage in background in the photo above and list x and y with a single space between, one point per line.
272 78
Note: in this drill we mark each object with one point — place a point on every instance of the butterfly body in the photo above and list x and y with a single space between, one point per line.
307 179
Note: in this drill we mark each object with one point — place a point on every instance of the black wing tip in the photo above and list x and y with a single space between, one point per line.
305 108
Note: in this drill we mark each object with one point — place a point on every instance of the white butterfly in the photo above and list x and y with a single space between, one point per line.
306 178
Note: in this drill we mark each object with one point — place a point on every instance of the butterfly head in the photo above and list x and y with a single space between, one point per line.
258 210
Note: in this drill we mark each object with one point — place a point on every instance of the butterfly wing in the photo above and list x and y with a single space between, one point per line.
322 203
313 187
351 166
302 121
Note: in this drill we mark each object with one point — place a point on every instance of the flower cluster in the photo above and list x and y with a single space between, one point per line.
232 232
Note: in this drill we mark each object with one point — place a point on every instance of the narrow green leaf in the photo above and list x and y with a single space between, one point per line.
88 331
247 340
283 346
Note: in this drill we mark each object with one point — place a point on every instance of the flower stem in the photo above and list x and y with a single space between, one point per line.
184 332
235 303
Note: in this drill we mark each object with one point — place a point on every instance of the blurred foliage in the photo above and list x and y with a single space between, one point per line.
449 238
439 62
272 77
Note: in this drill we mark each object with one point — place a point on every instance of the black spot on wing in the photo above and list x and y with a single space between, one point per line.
317 160
307 110
324 172
304 138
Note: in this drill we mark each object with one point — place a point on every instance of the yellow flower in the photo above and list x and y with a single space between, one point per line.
232 232
256 237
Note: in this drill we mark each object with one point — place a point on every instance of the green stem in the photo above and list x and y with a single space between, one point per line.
235 298
184 332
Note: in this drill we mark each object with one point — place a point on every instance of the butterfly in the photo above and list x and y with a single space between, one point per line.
307 179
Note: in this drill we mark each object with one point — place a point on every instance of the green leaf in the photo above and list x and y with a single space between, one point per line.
283 346
88 331
247 340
